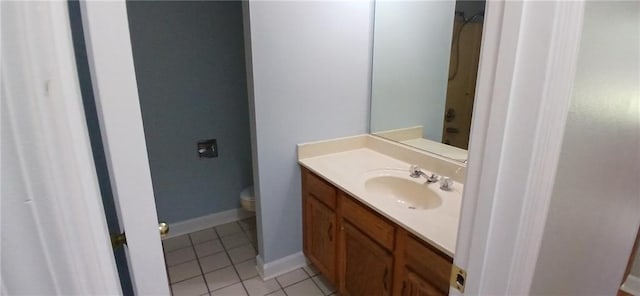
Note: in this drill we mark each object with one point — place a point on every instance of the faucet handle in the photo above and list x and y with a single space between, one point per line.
433 178
415 171
446 183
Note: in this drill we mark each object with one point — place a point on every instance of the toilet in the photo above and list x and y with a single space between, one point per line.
248 199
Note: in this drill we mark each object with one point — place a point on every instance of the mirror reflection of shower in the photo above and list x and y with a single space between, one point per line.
463 69
417 47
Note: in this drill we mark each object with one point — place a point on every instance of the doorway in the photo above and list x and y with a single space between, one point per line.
191 82
190 70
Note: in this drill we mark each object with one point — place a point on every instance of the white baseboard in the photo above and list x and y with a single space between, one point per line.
208 221
281 266
631 285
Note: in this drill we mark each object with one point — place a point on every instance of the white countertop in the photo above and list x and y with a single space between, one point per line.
345 170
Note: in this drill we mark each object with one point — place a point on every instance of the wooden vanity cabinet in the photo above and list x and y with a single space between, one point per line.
420 268
364 253
366 266
319 224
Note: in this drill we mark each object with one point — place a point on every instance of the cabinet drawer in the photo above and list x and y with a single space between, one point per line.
428 263
369 222
318 188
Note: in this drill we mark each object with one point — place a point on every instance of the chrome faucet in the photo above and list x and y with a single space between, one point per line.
446 183
415 172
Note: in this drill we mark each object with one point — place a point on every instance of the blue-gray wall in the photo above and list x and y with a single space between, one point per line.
190 68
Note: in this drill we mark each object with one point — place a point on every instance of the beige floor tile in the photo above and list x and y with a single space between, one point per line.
242 253
248 224
184 271
322 282
216 249
208 248
203 235
234 240
214 262
221 278
292 277
311 270
180 256
233 290
190 287
247 269
252 235
257 287
229 228
277 293
304 288
175 243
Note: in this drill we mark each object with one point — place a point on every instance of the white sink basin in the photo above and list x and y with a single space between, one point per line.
402 189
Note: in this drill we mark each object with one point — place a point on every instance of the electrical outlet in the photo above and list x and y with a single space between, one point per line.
208 148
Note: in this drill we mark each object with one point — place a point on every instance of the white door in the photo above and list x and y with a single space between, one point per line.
54 235
113 78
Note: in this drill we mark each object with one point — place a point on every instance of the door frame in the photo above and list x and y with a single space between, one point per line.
525 81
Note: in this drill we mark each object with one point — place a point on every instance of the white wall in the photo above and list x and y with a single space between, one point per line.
593 217
411 65
311 67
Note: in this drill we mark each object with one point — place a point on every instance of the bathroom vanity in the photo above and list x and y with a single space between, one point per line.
365 230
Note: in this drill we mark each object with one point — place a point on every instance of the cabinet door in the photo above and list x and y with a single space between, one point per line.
414 285
425 268
320 233
366 266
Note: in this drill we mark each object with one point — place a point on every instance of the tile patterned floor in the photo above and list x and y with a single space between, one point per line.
222 261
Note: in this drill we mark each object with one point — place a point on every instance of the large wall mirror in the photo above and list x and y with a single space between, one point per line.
425 63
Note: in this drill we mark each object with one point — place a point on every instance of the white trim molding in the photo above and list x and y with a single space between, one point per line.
554 106
207 221
497 56
281 266
528 62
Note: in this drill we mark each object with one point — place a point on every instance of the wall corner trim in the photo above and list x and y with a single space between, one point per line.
280 266
207 221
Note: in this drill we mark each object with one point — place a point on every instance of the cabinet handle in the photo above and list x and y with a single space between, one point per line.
384 277
330 232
